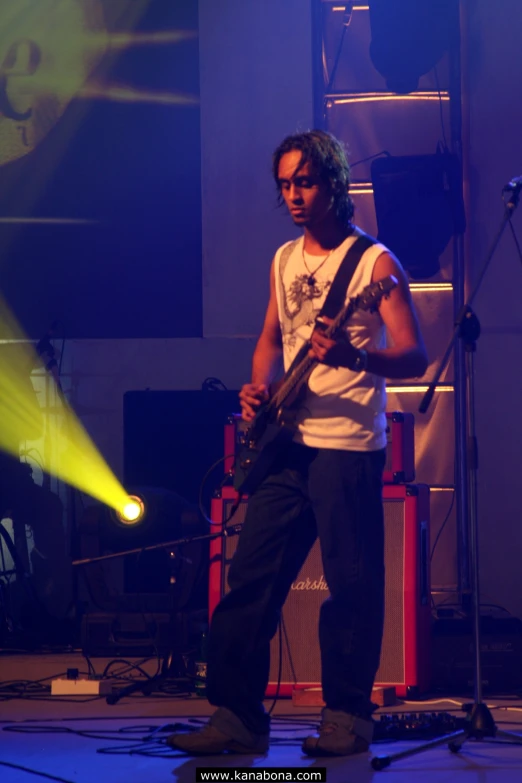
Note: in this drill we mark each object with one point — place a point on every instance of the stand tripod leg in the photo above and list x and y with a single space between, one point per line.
381 762
509 736
172 664
482 726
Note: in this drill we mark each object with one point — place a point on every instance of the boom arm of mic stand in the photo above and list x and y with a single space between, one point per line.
426 400
230 530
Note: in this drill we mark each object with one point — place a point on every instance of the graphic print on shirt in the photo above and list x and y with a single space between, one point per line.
299 308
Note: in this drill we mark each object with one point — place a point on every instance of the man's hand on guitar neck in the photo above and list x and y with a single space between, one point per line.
334 353
251 397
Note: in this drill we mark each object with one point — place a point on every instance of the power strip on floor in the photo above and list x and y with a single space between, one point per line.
81 686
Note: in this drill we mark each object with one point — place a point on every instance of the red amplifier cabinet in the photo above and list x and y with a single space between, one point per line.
234 428
400 446
405 656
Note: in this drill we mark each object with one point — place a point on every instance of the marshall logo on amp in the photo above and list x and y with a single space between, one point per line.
310 584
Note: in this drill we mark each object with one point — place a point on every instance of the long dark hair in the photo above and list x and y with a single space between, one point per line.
328 161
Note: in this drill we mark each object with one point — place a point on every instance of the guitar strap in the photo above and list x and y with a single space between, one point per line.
337 294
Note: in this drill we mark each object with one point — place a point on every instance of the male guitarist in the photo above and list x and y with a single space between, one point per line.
326 483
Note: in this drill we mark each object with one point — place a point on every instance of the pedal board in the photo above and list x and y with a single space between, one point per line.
416 726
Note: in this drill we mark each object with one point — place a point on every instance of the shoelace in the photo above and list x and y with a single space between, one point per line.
327 727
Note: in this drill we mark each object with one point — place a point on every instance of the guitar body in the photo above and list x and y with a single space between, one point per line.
256 457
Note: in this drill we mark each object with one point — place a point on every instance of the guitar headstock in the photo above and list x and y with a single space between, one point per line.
372 294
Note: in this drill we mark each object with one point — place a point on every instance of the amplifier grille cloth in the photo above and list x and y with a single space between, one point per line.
301 661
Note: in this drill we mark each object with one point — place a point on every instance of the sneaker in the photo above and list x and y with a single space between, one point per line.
340 734
210 741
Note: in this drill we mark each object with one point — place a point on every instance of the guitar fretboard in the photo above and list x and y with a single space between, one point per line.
299 373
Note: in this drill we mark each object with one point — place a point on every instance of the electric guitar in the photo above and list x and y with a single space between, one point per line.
275 422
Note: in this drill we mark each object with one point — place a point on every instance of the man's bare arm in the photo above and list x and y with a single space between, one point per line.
266 359
406 358
268 352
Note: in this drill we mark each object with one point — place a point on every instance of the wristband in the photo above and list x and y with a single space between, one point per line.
361 362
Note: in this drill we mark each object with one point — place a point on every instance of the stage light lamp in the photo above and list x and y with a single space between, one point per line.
132 512
165 517
148 516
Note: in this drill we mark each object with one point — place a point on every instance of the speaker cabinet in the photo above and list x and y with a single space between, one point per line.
115 634
405 651
172 438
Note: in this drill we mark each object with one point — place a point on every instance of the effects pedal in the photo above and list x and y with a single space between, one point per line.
416 726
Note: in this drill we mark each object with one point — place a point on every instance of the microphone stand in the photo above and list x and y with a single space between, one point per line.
480 723
46 353
169 661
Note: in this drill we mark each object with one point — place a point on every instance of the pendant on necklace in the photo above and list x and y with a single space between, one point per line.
311 281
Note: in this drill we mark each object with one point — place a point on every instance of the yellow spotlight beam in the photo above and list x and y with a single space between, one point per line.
78 462
159 38
125 94
74 459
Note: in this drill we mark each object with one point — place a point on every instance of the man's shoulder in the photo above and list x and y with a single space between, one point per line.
375 246
290 245
360 232
284 252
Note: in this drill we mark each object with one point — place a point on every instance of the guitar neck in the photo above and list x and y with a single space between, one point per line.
295 378
301 368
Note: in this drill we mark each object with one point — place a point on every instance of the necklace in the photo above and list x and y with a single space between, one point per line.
311 275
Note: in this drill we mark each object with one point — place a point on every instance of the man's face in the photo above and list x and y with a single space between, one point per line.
48 49
307 197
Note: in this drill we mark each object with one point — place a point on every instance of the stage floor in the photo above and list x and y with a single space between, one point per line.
85 740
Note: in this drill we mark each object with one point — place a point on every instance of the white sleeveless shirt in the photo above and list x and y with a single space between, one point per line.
342 409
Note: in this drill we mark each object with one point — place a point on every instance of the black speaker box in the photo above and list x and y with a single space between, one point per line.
453 654
172 438
113 634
